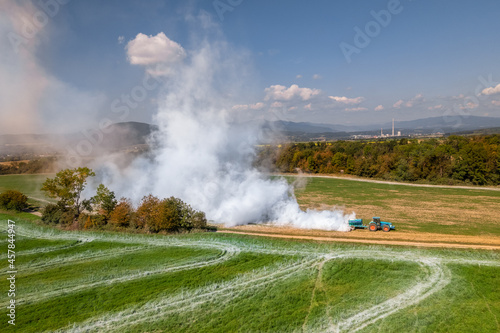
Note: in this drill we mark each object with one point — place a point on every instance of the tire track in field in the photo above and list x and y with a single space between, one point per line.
227 251
181 303
438 276
39 297
82 257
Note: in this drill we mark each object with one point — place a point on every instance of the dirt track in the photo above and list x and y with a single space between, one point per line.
413 239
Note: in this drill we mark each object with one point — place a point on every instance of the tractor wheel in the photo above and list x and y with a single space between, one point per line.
386 228
372 227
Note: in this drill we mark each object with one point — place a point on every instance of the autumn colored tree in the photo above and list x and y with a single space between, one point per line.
170 214
149 212
122 214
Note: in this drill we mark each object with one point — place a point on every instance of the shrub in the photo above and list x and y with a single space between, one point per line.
58 214
52 214
88 221
13 200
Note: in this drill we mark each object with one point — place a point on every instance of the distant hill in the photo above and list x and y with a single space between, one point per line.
128 135
116 137
449 124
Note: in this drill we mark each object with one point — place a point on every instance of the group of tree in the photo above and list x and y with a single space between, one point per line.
104 211
455 159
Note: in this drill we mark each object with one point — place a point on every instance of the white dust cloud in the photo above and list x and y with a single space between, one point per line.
204 157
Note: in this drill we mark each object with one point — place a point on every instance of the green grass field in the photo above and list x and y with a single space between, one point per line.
112 282
75 281
451 211
28 184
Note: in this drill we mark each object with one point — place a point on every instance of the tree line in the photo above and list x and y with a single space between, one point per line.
452 160
104 211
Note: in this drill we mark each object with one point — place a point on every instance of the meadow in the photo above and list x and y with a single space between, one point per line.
77 281
109 282
453 211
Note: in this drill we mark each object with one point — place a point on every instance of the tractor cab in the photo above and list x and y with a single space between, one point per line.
376 220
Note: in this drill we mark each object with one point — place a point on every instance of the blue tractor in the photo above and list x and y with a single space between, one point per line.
374 225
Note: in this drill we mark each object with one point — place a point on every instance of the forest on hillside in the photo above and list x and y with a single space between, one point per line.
452 160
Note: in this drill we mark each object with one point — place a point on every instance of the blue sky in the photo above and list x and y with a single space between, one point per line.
429 59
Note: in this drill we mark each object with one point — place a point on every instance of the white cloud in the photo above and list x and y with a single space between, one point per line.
355 109
379 108
282 93
121 39
491 90
291 108
418 99
415 101
436 107
308 106
496 103
316 76
347 100
299 76
256 106
158 53
469 106
398 104
240 107
277 105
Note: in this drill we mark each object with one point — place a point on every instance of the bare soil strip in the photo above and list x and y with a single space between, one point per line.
370 241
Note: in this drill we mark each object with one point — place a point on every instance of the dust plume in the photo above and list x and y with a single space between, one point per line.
203 155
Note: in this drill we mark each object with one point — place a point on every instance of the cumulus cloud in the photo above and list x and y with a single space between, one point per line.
158 53
240 107
496 103
347 100
355 109
398 104
277 105
121 39
418 99
282 93
436 107
316 77
308 106
379 108
491 90
299 76
256 106
469 106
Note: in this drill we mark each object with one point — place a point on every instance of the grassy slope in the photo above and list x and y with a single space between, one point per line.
423 209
